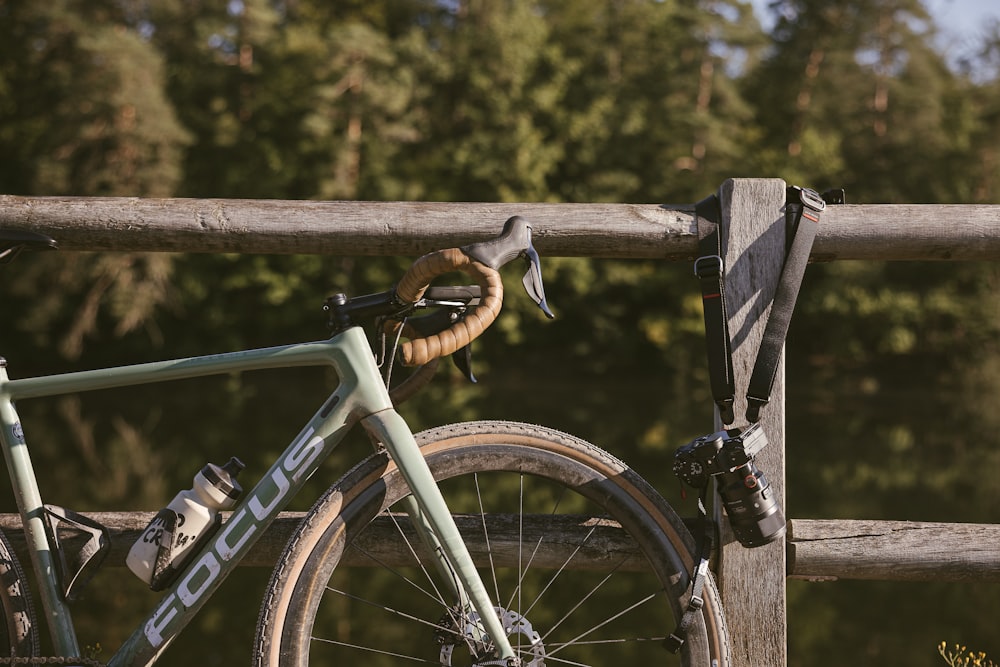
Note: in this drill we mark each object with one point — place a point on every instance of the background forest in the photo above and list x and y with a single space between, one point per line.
893 368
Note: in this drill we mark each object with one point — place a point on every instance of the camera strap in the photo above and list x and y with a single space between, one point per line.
696 600
709 267
802 211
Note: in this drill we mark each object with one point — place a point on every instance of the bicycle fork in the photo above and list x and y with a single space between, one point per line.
437 530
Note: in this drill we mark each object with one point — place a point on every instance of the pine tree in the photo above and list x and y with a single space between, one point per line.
84 109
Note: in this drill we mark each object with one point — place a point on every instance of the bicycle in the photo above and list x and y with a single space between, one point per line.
458 534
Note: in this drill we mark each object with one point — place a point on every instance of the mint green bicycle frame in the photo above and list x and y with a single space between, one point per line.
360 396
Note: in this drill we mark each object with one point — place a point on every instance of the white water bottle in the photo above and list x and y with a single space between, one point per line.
177 531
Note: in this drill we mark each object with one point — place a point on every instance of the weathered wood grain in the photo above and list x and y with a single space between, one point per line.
818 549
752 581
871 231
893 550
605 542
954 232
345 228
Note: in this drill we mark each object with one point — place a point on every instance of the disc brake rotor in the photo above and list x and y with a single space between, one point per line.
525 640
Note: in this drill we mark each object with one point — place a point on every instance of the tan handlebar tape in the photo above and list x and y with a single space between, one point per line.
416 281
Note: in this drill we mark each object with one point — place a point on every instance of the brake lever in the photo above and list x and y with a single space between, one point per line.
430 324
514 241
463 361
532 280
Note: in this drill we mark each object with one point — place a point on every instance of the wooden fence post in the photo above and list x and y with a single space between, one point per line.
752 581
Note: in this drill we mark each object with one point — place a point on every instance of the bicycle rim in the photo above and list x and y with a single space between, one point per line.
586 563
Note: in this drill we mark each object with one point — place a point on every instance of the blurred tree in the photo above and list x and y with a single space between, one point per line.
856 96
985 147
82 105
649 105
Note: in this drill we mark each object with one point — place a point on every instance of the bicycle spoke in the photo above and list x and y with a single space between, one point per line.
564 661
436 595
576 639
413 552
388 610
523 570
595 642
486 537
369 649
562 567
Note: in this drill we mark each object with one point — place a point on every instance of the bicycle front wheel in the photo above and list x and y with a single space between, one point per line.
586 563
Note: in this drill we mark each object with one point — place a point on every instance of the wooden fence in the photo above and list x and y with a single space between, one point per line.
752 581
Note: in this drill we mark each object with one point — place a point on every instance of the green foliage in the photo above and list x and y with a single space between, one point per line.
891 367
83 106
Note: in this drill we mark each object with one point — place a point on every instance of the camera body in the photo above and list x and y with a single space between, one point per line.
750 502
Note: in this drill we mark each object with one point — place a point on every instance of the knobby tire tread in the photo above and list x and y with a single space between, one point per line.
19 624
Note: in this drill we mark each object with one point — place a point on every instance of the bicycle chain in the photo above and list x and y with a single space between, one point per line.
51 661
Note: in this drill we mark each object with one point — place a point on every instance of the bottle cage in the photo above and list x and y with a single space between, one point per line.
80 543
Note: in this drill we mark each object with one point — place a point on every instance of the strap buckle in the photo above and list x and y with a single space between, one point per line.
754 405
716 267
677 638
809 198
727 410
673 643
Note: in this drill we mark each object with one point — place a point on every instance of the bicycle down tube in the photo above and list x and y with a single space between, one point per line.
360 396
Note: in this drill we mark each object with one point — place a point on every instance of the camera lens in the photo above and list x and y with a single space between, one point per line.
753 509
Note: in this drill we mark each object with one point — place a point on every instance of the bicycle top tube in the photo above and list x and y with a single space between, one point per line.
340 351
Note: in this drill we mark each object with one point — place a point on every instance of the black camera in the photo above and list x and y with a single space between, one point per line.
746 494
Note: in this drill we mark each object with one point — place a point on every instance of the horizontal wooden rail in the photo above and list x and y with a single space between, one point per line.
875 232
817 549
893 550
